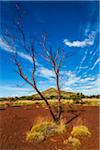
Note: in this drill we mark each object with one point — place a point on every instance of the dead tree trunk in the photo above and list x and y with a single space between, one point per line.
59 98
48 105
54 58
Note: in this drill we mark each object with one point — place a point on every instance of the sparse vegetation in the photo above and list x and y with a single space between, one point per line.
2 104
73 143
35 136
80 132
90 102
76 98
44 129
22 103
61 127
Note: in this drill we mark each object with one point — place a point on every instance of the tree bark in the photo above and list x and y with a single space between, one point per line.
59 98
48 105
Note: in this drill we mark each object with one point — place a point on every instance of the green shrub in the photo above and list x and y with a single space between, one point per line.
80 131
77 98
52 97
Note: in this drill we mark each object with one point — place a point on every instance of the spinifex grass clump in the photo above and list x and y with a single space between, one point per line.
42 130
80 131
73 143
22 103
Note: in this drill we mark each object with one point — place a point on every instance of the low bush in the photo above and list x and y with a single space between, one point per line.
52 97
61 128
73 143
80 131
92 103
22 103
67 101
36 136
42 130
2 104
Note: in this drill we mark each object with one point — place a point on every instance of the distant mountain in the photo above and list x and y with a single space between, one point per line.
50 93
53 93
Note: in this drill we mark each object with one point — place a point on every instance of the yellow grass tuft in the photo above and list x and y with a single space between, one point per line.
80 131
44 129
61 128
73 143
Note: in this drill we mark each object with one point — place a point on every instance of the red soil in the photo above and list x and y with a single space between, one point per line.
16 121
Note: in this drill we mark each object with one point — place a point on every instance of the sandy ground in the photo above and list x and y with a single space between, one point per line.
16 121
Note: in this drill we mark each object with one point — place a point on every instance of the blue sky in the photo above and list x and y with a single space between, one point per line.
73 25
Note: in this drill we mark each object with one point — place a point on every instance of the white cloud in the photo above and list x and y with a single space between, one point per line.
25 56
11 91
84 80
14 88
96 62
84 43
68 89
90 86
89 41
79 68
95 52
46 73
4 46
85 67
70 78
73 83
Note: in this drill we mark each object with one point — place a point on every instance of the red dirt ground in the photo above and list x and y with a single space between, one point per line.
16 121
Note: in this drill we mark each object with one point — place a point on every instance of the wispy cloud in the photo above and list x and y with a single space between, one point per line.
92 66
71 78
96 62
88 41
90 87
84 80
46 73
71 81
5 47
80 67
87 85
14 91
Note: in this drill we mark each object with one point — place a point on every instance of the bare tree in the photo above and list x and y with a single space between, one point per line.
54 58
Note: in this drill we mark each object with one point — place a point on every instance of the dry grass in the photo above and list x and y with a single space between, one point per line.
43 129
80 132
53 103
73 143
22 103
